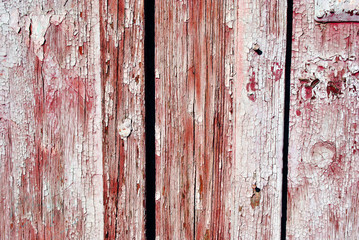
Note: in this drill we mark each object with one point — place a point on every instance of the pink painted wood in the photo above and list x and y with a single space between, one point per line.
71 120
122 46
219 118
51 134
323 148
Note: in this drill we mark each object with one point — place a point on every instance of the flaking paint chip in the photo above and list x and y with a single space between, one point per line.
125 128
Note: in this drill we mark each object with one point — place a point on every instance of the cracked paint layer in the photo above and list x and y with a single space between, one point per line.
322 161
51 127
57 181
219 118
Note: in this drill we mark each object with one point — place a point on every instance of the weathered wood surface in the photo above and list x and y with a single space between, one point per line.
219 118
323 149
66 158
122 32
51 135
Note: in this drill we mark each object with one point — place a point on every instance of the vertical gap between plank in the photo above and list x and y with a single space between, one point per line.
288 60
149 54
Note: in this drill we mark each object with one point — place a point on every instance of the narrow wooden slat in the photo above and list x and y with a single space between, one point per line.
323 149
219 118
122 32
174 122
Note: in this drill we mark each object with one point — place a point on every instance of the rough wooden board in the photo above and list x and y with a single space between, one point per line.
323 149
122 48
219 118
174 123
50 120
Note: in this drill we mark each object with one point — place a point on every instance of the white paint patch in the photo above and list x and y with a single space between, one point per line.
128 14
158 140
125 128
40 22
14 19
337 11
158 196
108 101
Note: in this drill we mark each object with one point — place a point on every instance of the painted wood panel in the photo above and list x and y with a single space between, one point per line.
219 118
122 57
323 149
51 134
71 120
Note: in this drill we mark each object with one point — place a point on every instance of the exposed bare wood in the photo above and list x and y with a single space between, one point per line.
323 151
219 118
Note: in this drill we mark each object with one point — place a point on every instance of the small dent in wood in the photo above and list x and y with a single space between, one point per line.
240 208
256 197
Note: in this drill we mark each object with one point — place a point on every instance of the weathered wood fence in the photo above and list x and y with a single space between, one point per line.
73 118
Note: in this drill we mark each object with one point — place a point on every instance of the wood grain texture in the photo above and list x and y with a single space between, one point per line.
323 150
51 128
71 120
219 118
122 49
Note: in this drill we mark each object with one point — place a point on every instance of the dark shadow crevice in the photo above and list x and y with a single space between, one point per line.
288 61
149 54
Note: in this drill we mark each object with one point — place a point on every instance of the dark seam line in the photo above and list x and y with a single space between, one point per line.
288 61
149 58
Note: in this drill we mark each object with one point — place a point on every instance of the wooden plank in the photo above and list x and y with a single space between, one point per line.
72 120
323 150
122 46
51 127
219 118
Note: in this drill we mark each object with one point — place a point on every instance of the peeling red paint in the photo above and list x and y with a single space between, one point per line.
252 85
211 70
277 71
308 92
321 140
334 88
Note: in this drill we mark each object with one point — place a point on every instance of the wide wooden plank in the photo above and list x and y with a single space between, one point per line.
219 118
72 120
54 84
324 135
122 49
51 127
